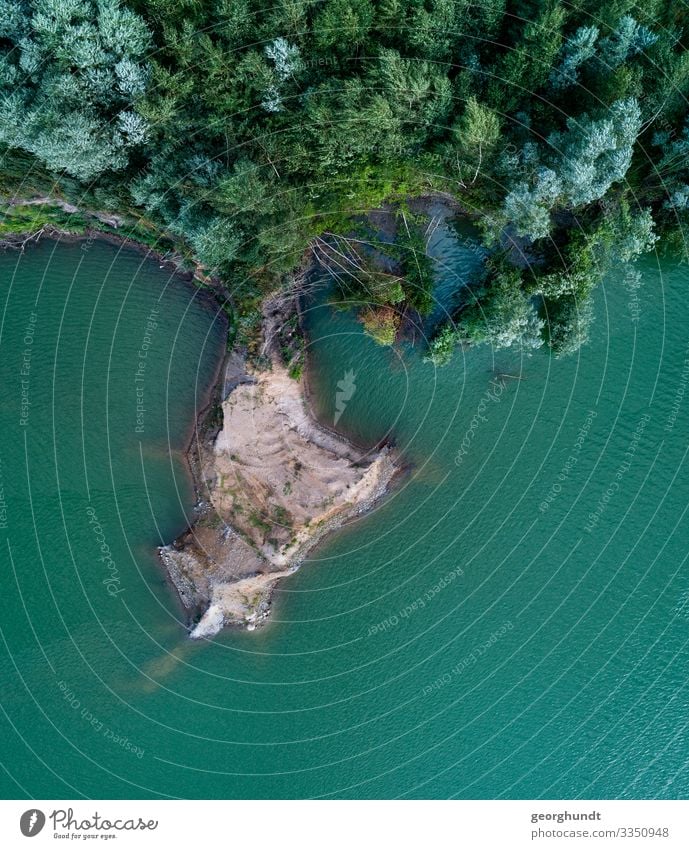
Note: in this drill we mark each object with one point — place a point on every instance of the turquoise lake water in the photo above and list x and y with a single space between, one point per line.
513 621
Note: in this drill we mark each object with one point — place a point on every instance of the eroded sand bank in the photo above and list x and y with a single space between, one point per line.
272 484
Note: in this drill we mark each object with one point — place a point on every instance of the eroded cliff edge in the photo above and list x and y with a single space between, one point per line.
272 482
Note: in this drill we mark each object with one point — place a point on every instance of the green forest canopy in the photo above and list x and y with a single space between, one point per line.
246 129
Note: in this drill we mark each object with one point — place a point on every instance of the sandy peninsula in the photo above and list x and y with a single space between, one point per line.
272 483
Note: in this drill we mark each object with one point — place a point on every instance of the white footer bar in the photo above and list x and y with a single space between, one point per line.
335 824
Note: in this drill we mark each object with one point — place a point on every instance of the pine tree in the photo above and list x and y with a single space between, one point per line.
475 137
576 51
342 25
503 316
525 68
568 323
528 206
594 154
78 71
627 39
579 167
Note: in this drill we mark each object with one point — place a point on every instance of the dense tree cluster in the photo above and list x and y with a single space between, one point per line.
71 71
246 129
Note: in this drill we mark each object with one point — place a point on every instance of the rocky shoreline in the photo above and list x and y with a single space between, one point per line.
271 484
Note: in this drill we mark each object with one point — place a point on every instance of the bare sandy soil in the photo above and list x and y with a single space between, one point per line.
274 483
